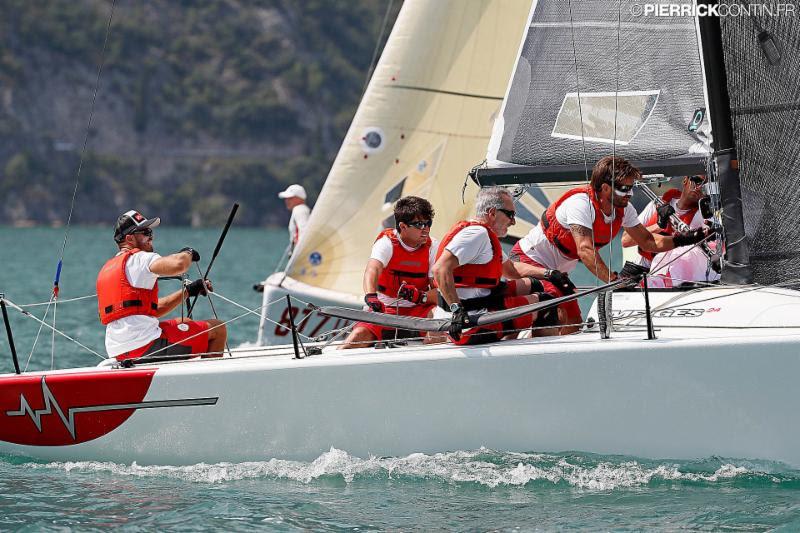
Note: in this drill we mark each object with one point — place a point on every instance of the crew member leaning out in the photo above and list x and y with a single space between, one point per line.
469 268
397 277
582 221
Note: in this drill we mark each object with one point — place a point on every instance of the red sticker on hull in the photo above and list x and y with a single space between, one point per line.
64 409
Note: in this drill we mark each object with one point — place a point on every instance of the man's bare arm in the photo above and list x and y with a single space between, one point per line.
443 274
169 302
171 265
371 273
517 270
588 254
648 241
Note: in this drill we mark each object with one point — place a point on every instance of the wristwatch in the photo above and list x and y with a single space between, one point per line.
547 273
454 307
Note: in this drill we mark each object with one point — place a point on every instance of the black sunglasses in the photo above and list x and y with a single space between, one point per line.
623 188
510 213
697 180
422 224
147 232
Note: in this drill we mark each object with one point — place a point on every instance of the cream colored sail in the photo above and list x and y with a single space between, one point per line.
424 121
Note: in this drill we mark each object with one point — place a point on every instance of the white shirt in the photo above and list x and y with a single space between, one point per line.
382 251
131 332
577 209
297 222
650 209
472 246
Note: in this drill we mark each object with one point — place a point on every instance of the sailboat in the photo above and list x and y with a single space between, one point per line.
424 120
676 374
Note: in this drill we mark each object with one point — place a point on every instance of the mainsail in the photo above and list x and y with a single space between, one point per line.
594 78
424 121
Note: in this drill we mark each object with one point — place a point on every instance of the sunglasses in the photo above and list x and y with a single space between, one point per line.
510 213
697 180
623 190
147 232
422 224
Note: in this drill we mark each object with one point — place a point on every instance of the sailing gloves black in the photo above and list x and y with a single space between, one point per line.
560 280
665 211
372 301
191 251
458 322
690 237
198 287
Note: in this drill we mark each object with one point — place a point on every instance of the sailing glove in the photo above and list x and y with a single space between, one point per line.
561 281
373 302
690 237
199 287
192 252
664 211
412 294
458 322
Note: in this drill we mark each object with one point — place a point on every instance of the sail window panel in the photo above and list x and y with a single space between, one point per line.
599 49
604 117
395 193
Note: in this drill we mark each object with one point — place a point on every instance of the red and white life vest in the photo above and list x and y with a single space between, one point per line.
668 197
409 268
486 275
562 238
116 297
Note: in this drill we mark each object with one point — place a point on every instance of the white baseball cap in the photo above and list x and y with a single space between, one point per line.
293 190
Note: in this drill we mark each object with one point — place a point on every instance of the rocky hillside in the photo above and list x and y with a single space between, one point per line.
199 104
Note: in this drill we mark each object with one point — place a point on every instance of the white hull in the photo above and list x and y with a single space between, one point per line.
691 393
273 328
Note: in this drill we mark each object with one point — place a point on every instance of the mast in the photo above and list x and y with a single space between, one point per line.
736 268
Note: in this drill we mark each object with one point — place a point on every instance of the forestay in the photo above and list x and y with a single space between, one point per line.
593 78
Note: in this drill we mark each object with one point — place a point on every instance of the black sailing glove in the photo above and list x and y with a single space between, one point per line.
561 281
191 251
198 287
690 237
458 323
664 211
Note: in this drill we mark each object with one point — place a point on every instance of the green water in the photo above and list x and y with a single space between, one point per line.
464 490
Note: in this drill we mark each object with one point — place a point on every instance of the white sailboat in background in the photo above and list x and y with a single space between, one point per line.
719 379
423 123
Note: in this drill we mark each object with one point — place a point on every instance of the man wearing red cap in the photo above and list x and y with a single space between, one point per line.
129 304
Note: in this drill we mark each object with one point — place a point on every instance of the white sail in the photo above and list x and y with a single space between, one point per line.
424 121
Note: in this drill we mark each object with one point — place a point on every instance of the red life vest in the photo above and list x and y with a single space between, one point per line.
406 267
116 297
562 238
485 275
687 217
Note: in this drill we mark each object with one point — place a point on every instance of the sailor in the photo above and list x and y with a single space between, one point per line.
469 268
656 217
295 199
585 219
397 277
129 305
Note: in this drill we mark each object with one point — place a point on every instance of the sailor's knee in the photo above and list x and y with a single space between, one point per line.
216 328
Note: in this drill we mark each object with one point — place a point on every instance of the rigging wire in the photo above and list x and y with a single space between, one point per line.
57 279
372 61
580 115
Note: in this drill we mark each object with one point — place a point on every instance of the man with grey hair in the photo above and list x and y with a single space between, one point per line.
469 268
